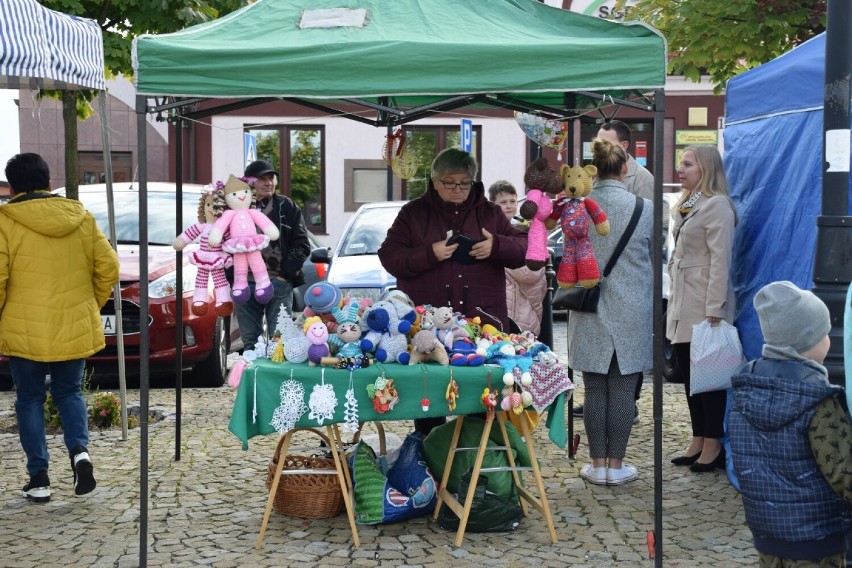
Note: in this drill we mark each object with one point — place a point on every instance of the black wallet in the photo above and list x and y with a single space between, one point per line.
462 253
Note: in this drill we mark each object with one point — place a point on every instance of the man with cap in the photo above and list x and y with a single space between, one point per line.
791 436
283 257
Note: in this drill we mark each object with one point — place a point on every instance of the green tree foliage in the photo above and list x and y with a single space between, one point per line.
306 173
121 21
722 38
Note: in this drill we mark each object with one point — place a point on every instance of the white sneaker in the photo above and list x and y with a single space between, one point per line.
626 474
592 474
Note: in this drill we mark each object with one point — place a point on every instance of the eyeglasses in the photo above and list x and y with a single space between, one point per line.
464 186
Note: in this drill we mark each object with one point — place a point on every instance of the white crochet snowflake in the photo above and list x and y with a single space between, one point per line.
322 403
292 406
350 409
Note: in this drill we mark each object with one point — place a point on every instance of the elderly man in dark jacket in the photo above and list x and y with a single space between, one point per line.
284 257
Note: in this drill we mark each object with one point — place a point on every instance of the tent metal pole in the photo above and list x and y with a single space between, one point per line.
382 106
523 106
144 346
116 291
179 283
659 141
247 103
616 101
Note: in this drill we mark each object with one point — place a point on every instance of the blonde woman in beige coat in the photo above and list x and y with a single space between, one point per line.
703 230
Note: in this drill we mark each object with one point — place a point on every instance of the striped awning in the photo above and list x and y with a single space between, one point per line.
44 49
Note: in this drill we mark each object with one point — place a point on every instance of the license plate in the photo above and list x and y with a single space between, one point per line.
109 324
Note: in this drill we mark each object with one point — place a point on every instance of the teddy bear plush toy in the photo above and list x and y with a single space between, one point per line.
579 266
451 332
426 347
245 243
543 183
210 260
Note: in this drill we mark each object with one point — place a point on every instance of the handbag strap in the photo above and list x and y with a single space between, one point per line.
628 232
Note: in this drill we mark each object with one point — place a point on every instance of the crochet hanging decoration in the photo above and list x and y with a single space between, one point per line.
396 155
383 394
323 402
350 408
548 133
292 405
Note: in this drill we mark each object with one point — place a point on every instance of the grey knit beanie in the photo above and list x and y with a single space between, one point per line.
791 317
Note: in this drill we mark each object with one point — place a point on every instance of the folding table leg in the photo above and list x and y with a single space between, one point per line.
541 504
285 447
474 477
345 481
448 466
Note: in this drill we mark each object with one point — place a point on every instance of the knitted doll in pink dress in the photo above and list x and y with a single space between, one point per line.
210 260
245 243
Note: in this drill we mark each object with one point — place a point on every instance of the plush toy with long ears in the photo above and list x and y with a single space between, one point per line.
347 338
543 183
245 244
579 267
210 260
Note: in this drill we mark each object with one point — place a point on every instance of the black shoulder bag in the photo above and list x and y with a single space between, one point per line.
579 299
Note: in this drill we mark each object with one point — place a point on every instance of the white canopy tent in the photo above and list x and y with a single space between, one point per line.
43 49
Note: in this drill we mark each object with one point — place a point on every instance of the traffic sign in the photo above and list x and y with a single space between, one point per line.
466 134
249 148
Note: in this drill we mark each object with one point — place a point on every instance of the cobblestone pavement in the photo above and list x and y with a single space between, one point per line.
206 509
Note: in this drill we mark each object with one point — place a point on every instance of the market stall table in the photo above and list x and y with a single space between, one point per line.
277 397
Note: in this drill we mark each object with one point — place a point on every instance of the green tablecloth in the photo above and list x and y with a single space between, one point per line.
259 394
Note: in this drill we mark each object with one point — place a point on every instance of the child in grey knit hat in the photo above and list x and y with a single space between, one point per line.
791 436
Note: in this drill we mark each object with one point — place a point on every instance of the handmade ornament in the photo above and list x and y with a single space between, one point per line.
292 405
424 402
393 146
245 244
489 396
211 261
452 393
544 132
404 166
350 408
383 394
322 402
278 352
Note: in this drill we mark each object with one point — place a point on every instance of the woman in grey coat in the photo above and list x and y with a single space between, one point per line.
612 347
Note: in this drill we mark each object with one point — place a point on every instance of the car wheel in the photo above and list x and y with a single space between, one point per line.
212 371
6 383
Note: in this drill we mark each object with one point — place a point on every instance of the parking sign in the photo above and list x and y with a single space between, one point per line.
466 134
249 148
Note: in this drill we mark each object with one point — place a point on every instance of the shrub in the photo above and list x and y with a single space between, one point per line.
104 410
51 414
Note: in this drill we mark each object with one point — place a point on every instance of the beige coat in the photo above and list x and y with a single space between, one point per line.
700 267
525 290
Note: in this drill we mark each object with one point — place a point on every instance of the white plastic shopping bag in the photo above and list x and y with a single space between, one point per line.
714 356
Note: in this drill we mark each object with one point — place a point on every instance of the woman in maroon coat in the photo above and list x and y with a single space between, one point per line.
417 250
430 263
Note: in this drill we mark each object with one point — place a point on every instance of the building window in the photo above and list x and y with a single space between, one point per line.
426 142
93 170
300 164
366 181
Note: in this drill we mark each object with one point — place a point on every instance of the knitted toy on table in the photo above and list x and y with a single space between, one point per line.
317 334
543 183
426 347
210 260
242 220
579 266
451 330
386 333
347 338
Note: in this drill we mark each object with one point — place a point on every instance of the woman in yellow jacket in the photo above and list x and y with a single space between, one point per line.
57 270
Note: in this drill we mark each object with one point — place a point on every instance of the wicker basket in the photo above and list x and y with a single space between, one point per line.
306 495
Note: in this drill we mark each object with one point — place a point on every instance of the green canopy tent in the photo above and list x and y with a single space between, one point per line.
390 63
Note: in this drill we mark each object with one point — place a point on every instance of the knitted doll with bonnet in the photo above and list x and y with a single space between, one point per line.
245 243
210 260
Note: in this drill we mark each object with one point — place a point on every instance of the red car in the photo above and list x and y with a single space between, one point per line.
203 337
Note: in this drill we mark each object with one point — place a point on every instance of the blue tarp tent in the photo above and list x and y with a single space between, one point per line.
773 159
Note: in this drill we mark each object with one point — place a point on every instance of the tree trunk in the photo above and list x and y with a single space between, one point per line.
69 117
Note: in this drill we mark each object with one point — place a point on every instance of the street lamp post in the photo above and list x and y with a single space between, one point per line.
833 261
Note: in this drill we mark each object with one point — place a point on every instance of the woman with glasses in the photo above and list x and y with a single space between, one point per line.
451 246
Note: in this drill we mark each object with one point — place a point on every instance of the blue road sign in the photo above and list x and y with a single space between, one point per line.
249 148
466 135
